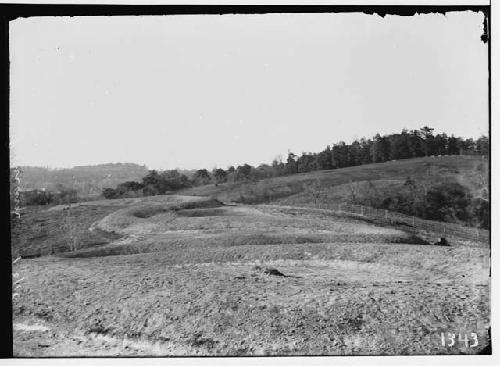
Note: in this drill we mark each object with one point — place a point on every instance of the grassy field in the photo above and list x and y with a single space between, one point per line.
190 275
41 232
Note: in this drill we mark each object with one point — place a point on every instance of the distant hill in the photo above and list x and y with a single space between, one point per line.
87 180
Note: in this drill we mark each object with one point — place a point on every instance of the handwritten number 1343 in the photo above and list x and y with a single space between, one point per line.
450 339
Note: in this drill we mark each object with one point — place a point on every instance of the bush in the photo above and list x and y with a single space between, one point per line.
38 197
449 201
446 201
481 210
109 193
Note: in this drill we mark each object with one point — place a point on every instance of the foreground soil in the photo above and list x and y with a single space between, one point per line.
206 279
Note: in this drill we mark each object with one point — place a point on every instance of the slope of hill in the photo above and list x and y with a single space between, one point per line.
337 184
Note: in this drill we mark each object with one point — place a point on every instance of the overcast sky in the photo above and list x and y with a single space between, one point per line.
205 91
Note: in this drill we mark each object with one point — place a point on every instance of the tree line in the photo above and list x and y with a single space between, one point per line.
404 145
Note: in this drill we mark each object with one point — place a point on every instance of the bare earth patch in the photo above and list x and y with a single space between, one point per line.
260 280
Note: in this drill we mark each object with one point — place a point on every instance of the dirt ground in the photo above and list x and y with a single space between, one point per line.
189 276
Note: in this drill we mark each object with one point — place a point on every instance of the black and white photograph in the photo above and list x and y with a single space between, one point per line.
214 181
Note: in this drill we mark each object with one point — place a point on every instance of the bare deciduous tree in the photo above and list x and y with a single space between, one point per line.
353 192
315 191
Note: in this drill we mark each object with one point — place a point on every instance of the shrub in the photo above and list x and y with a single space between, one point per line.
481 210
448 201
109 193
39 197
